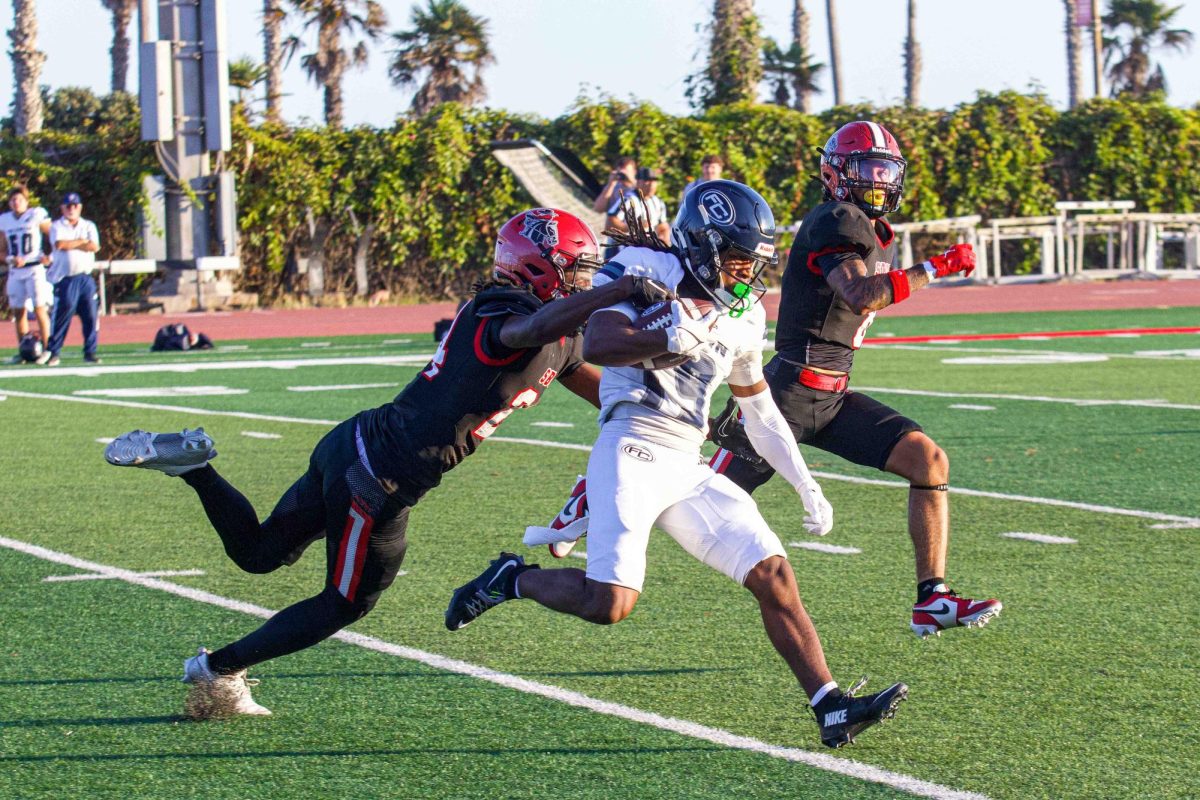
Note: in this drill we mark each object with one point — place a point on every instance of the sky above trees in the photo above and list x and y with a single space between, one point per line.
548 51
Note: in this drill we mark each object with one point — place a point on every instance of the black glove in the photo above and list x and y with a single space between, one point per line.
726 431
647 292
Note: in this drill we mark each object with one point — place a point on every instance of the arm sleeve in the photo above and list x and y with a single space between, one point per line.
772 439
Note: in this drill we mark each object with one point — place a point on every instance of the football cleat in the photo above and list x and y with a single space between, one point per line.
172 453
44 358
488 590
844 718
567 527
947 610
216 696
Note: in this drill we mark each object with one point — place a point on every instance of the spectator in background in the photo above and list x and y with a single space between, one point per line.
711 167
619 186
74 242
22 228
652 214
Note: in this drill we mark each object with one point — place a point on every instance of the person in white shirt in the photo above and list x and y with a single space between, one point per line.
645 469
711 167
73 243
22 228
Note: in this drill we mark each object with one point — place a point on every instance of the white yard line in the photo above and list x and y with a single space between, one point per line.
1047 501
1041 538
261 435
337 387
970 407
1071 401
100 576
197 366
840 766
821 547
947 345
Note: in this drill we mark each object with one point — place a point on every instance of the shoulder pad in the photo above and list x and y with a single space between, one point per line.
498 301
834 223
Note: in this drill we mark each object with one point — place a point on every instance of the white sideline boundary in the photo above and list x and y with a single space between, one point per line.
840 766
1178 520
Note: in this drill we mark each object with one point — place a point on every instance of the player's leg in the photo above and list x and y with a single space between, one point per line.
632 482
870 433
43 298
64 307
721 526
86 308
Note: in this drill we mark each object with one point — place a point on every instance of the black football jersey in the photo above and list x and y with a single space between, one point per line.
815 327
470 386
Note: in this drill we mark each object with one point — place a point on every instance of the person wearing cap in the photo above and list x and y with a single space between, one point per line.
651 214
73 244
21 231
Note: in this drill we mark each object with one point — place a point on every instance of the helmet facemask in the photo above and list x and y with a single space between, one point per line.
736 294
872 181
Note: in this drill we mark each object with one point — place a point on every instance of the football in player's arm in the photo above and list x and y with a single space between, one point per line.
645 469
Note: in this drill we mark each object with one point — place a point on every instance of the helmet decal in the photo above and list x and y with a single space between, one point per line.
541 227
718 207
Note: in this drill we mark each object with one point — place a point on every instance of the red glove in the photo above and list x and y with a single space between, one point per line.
960 258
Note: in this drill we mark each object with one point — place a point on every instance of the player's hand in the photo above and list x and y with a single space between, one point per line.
960 258
818 514
18 261
645 292
685 334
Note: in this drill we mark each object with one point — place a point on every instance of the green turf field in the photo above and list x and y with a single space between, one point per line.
1085 687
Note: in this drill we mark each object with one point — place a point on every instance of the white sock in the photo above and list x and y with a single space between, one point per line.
820 695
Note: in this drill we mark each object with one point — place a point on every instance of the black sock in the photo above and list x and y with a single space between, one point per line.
925 588
230 513
510 581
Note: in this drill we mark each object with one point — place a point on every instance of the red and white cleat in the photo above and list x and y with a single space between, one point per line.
947 610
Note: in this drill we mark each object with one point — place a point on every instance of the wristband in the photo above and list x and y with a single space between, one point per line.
900 288
930 270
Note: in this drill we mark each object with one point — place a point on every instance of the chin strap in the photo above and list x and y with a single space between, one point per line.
941 487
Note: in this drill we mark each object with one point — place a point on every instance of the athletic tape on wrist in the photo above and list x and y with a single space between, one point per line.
941 487
900 288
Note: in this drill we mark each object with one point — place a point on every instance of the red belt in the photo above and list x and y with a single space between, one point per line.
822 382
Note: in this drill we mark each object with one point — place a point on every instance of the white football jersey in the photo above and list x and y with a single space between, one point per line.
676 400
24 233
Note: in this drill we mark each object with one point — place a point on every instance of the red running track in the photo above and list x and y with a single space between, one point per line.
419 319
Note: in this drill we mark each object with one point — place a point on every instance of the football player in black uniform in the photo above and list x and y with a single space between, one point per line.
838 275
505 348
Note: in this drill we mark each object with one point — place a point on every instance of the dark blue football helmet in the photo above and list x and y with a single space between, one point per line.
720 221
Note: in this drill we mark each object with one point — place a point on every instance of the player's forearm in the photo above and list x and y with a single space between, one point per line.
869 293
561 317
613 342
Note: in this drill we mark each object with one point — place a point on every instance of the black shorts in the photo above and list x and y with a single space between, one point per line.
363 526
848 424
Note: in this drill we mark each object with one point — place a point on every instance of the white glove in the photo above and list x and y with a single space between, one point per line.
685 334
818 514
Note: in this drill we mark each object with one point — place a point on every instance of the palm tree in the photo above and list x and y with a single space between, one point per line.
1127 56
803 84
27 68
445 40
793 75
244 74
273 16
835 57
122 15
328 63
912 60
1074 55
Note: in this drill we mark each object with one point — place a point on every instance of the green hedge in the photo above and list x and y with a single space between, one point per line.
436 196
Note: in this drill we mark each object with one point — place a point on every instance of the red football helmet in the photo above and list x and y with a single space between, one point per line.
862 164
549 250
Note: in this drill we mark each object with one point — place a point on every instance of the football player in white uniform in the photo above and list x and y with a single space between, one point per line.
22 228
645 468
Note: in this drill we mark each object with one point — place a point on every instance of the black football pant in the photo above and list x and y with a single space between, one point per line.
854 426
364 532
